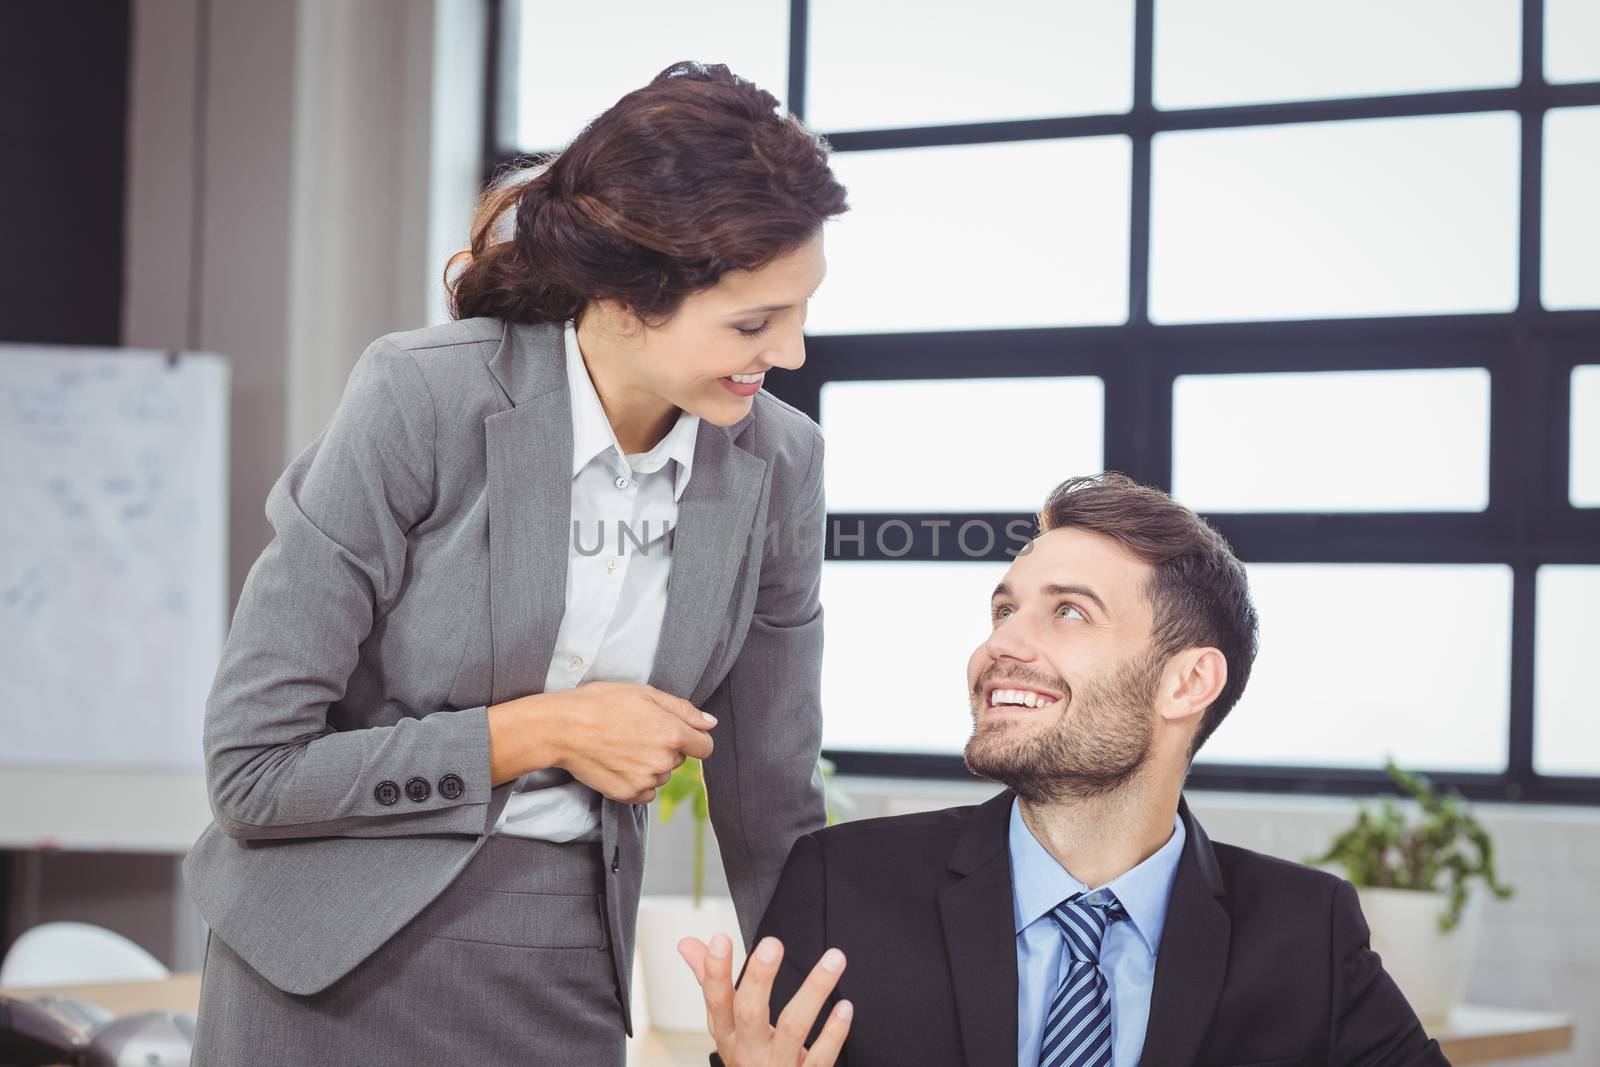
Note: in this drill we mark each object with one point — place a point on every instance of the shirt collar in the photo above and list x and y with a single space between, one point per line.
592 434
1039 883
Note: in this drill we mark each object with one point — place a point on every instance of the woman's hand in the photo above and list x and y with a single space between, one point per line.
738 1021
619 739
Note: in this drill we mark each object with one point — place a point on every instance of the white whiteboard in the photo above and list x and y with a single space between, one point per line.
113 554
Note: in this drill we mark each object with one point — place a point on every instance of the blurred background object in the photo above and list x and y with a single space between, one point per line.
61 953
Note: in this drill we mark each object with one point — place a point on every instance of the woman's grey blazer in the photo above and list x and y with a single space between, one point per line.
417 574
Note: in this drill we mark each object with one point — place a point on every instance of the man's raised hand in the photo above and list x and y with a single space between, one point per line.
739 1019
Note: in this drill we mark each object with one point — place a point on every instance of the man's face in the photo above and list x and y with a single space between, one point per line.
1063 690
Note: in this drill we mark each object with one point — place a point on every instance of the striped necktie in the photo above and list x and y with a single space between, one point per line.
1077 1030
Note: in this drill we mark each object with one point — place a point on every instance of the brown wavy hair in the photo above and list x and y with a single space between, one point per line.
1198 594
693 175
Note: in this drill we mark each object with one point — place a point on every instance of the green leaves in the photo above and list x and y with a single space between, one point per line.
687 783
688 786
839 804
1385 850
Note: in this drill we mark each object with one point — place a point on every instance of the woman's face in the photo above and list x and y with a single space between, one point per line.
745 325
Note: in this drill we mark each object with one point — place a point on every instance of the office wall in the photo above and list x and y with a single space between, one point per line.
63 131
63 105
295 171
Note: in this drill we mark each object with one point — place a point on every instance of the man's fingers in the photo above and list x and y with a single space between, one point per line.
752 1001
694 952
797 1017
717 985
825 1049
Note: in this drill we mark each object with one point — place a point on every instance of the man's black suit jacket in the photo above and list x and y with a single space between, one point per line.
1262 962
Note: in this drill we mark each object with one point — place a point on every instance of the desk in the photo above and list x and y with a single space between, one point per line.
1474 1034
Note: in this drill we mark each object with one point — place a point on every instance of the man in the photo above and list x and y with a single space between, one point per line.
1080 918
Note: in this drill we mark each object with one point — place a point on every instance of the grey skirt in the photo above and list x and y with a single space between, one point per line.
510 965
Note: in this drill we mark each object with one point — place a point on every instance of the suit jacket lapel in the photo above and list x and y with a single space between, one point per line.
1193 959
977 914
978 917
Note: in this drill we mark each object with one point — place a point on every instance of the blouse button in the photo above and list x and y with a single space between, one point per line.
575 662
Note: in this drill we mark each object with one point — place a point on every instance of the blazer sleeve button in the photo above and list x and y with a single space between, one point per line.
418 789
451 786
387 793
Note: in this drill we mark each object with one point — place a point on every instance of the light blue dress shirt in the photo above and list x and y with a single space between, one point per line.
1128 956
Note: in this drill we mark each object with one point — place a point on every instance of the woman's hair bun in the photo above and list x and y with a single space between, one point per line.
694 174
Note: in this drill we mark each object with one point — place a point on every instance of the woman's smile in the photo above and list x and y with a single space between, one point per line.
743 384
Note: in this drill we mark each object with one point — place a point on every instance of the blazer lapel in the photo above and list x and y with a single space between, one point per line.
1193 960
529 487
529 457
715 516
978 916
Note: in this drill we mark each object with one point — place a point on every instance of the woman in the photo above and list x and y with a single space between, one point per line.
459 670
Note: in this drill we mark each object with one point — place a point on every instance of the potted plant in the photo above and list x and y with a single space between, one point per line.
672 999
1414 879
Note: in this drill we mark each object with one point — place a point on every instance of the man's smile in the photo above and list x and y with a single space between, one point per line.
1003 696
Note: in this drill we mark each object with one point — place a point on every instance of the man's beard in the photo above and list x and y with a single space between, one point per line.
1101 739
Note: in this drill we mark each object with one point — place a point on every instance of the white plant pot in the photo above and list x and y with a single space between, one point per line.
672 997
1429 967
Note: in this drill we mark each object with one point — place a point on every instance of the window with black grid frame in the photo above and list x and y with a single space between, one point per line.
1328 272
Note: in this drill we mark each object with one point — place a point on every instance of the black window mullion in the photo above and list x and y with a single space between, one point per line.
1516 462
1531 109
799 53
1138 412
1519 472
1519 750
1142 126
